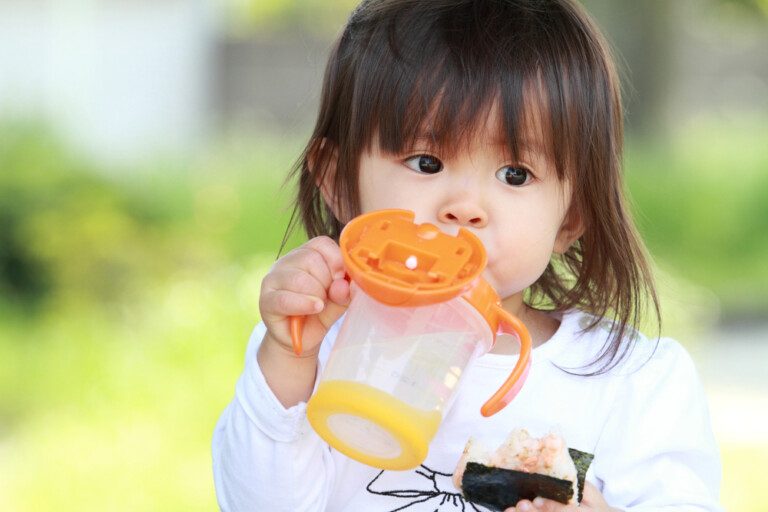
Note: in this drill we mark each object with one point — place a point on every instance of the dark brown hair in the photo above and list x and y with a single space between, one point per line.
401 63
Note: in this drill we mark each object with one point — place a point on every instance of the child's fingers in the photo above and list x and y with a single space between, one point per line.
524 506
277 304
330 313
545 505
306 282
321 257
295 280
593 499
309 269
540 505
336 305
339 292
331 253
308 298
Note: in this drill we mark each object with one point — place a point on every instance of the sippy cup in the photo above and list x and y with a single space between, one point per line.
419 315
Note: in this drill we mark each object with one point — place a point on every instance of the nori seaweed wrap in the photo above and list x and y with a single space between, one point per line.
522 468
581 460
499 488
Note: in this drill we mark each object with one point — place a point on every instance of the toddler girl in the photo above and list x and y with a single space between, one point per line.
502 117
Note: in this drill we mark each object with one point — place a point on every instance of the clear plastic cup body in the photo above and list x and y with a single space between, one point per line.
392 375
416 354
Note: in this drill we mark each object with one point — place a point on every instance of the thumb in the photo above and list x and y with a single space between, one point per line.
337 303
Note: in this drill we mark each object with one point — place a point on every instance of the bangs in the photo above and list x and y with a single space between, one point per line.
438 75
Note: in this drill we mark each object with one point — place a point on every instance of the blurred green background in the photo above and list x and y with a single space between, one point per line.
143 152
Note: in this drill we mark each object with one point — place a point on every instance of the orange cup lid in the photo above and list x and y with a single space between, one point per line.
400 263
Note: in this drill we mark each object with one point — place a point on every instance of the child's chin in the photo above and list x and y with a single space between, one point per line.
505 289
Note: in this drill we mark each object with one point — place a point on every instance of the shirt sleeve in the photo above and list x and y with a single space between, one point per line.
267 457
657 451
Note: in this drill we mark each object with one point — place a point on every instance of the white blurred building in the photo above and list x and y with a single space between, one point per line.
116 78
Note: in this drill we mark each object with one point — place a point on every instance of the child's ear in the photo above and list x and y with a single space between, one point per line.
322 160
570 230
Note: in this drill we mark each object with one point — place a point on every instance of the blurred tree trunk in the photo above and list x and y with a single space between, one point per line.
643 42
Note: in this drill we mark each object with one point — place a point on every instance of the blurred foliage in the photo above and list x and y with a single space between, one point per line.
127 299
267 17
702 205
324 18
126 303
64 228
65 225
748 7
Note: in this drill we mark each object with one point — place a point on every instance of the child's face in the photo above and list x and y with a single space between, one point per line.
517 208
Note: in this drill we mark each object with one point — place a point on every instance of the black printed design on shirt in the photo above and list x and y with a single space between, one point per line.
438 492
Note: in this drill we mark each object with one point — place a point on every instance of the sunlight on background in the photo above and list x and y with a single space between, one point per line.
142 200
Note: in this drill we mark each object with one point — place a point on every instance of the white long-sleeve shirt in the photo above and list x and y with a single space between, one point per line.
645 421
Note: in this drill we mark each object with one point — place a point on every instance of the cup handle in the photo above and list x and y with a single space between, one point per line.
296 327
510 324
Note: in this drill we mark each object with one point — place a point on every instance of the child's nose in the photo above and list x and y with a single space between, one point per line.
463 214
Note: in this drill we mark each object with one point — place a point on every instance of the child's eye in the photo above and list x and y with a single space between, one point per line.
427 164
515 176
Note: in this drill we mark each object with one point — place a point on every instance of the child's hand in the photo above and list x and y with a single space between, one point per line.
591 501
307 281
